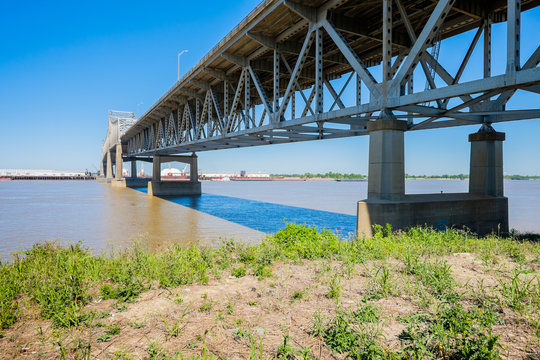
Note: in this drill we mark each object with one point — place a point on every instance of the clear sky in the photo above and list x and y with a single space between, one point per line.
64 64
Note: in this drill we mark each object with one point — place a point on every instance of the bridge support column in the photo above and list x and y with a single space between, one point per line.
109 172
483 209
119 180
133 169
386 173
102 168
486 173
119 162
156 168
158 187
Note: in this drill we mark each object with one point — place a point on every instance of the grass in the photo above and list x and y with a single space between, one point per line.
452 333
57 283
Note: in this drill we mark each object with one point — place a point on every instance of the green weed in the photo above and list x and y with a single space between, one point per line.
334 288
262 271
109 333
297 295
520 291
286 351
382 284
238 272
368 313
452 333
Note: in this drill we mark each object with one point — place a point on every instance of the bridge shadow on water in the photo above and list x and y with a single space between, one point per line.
264 216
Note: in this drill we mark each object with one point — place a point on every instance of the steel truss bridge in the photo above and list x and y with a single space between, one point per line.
274 78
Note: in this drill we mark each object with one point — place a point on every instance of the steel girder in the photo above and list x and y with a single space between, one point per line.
275 94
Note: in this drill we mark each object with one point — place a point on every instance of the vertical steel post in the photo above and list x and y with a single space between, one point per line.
293 105
358 90
513 41
319 71
225 102
197 117
247 99
387 41
487 46
410 90
276 81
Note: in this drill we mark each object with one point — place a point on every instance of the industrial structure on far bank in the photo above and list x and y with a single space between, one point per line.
304 70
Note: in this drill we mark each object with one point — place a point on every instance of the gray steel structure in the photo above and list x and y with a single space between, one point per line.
119 123
303 70
246 90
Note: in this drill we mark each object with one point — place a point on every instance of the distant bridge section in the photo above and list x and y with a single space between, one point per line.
119 123
320 69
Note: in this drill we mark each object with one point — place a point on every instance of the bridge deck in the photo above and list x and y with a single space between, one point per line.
280 27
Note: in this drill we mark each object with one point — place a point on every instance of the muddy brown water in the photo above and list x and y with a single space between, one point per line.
102 217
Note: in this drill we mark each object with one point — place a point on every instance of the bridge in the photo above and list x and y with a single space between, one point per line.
320 69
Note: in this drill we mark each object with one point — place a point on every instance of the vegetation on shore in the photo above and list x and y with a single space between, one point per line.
328 175
74 300
333 175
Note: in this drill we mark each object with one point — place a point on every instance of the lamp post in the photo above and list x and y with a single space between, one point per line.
179 54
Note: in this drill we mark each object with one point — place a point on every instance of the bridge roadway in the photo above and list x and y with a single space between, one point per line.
305 70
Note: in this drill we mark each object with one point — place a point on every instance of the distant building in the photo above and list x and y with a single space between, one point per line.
45 173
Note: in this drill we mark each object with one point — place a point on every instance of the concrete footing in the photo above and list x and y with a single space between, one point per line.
130 182
174 188
483 214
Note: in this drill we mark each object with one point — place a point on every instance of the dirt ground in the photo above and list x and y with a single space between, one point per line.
233 317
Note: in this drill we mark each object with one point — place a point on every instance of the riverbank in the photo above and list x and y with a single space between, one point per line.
299 294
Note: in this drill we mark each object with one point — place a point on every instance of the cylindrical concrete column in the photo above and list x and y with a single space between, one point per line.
109 173
102 168
119 161
156 168
486 171
386 173
134 169
194 169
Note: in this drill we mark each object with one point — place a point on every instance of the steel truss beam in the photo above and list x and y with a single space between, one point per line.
255 99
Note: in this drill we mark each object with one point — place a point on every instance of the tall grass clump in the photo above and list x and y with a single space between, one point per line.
305 242
58 280
9 290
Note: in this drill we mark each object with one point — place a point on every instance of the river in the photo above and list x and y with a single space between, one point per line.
105 218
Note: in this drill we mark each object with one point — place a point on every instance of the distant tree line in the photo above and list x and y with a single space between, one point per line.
336 175
445 176
328 175
521 177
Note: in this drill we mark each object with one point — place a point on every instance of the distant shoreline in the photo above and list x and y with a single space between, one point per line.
88 178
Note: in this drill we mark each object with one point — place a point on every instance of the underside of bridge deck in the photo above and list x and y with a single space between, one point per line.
321 69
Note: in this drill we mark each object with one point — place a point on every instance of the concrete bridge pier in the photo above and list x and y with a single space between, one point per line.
158 187
109 172
483 209
119 164
133 180
133 169
102 168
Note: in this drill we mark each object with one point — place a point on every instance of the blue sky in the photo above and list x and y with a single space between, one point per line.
64 64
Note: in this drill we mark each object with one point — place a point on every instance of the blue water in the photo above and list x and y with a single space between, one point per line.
264 216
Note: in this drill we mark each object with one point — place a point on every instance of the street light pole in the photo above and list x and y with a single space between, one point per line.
179 54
